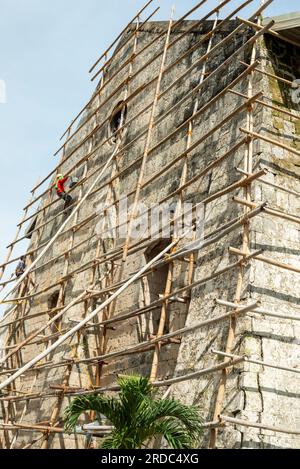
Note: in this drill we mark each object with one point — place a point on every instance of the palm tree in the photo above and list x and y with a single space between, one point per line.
138 417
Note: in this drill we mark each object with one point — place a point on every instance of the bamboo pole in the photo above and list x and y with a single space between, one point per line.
271 141
273 33
269 106
261 426
257 362
265 259
260 311
120 35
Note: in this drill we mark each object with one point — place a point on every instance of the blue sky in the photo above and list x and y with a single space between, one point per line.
46 50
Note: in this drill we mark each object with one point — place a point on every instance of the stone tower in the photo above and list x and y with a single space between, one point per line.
199 118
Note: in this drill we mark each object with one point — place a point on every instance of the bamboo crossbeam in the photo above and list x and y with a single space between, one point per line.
268 210
32 427
271 141
270 106
272 75
273 33
259 311
256 362
245 423
267 260
271 184
120 35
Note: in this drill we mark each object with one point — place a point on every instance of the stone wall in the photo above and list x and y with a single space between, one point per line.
251 390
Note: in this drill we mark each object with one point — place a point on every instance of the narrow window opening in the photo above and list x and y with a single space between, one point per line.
52 305
117 121
157 283
30 229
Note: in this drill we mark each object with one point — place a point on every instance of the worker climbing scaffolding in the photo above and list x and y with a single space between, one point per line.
20 269
60 190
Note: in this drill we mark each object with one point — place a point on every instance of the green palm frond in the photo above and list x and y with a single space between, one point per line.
158 409
174 433
110 407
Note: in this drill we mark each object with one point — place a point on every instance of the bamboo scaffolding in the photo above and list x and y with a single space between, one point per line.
86 320
10 251
237 52
84 295
137 53
206 37
53 239
186 123
160 340
241 183
121 86
167 167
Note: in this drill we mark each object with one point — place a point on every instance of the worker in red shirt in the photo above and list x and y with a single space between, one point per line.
60 189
